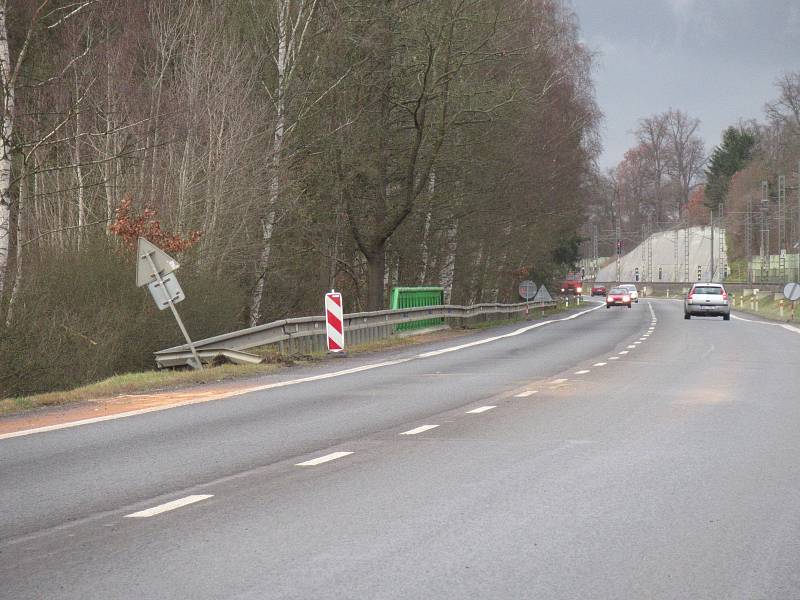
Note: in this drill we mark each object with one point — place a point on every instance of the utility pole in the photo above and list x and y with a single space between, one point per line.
764 231
711 278
594 251
687 233
748 239
649 266
675 235
619 246
722 254
781 213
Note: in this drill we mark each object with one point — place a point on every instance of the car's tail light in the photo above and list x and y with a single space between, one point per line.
691 295
609 299
626 298
724 295
580 289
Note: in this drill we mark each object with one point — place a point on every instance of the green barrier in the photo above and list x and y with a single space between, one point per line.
412 297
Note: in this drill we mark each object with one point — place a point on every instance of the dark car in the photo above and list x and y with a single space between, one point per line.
598 290
618 297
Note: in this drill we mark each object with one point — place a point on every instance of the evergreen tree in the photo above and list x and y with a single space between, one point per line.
730 156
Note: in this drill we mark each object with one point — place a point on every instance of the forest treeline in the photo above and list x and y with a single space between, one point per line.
282 148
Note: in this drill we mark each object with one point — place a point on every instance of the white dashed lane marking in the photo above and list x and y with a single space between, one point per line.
624 352
526 393
162 508
323 459
613 358
582 372
481 409
558 381
631 347
419 429
601 364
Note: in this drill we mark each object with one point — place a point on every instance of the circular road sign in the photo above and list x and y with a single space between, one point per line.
792 291
527 289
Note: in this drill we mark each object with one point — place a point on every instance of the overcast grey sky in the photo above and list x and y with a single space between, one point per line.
714 59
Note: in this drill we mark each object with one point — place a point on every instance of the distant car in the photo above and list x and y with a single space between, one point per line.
633 291
618 296
598 290
707 300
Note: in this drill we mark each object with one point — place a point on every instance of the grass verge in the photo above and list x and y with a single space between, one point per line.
130 383
769 308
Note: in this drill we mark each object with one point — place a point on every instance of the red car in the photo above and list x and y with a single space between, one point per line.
618 297
598 290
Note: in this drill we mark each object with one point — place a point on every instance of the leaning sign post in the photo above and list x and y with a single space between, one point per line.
154 269
334 321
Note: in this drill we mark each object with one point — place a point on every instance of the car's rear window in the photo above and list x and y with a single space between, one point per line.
708 289
618 291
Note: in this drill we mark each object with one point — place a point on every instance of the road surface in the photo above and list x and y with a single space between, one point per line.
623 453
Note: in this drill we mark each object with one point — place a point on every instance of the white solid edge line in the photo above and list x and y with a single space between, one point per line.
516 332
525 394
419 429
323 459
481 409
168 506
781 325
279 384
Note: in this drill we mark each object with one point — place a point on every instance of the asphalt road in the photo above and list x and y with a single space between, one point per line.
619 454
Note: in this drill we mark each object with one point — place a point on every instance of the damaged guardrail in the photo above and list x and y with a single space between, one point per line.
307 334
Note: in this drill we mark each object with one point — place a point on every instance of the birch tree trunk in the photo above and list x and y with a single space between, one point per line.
290 43
6 129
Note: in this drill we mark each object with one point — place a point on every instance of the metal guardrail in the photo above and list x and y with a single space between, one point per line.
308 333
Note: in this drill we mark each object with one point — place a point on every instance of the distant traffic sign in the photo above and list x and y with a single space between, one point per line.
542 295
527 289
149 256
792 291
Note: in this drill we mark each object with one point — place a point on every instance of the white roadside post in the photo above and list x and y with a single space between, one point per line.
334 322
153 269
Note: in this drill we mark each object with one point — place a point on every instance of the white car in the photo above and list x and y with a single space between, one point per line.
634 292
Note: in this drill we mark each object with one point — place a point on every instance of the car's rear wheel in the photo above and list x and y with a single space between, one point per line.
726 317
608 306
629 304
687 316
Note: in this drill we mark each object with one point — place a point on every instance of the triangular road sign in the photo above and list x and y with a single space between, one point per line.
542 295
164 263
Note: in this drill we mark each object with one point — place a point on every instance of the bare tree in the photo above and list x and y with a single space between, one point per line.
653 137
688 154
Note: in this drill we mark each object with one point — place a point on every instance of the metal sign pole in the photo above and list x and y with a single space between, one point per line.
198 365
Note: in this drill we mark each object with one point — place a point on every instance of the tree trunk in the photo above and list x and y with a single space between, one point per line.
376 268
7 116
